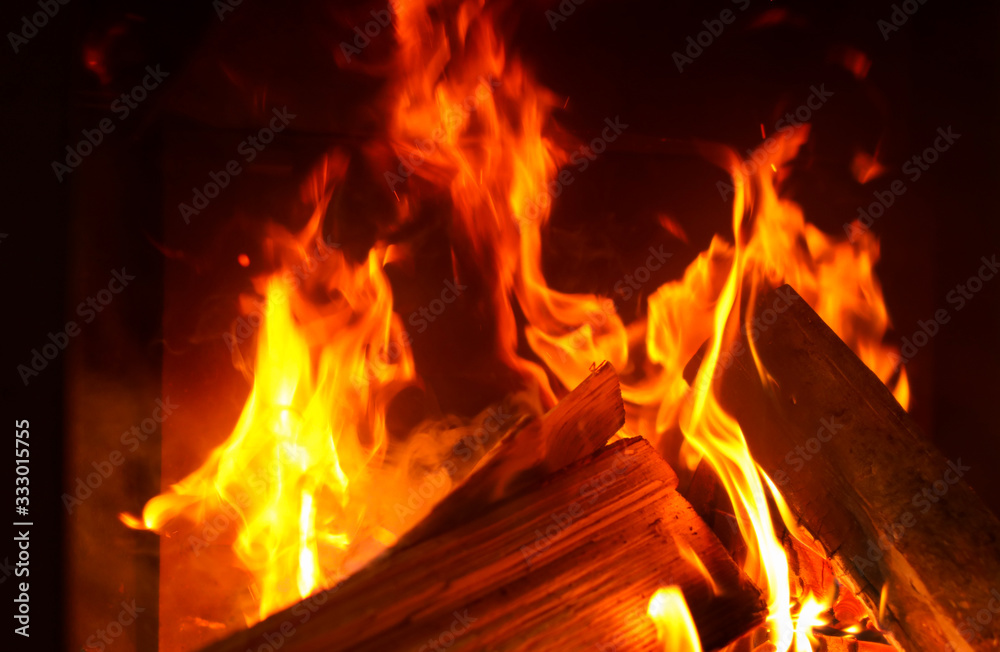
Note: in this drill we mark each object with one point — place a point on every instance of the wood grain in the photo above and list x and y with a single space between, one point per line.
569 563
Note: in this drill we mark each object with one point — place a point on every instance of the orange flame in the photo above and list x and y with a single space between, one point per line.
468 120
691 556
809 616
300 465
499 181
674 626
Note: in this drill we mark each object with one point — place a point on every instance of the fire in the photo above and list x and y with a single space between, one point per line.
468 121
302 464
809 617
674 626
835 277
688 553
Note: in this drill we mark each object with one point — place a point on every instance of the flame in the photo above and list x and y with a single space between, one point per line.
719 439
304 460
306 435
809 616
865 167
499 166
836 277
691 556
469 122
485 119
673 228
674 626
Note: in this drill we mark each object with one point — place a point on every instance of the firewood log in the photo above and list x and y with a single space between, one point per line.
581 423
891 512
849 644
811 572
568 563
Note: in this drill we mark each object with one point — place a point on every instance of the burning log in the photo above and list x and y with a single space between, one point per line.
577 426
569 563
896 517
848 644
849 627
709 498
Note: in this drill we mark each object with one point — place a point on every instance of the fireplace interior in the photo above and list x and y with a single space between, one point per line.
284 181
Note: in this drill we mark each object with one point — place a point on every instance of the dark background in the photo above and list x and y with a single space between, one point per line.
940 69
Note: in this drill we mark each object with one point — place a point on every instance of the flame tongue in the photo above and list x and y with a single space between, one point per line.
309 467
674 626
302 463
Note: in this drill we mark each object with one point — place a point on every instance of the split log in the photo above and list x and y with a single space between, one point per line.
568 563
813 573
889 509
709 499
580 424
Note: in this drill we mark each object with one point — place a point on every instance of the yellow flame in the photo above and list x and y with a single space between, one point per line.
809 617
498 182
309 467
305 458
691 556
674 626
